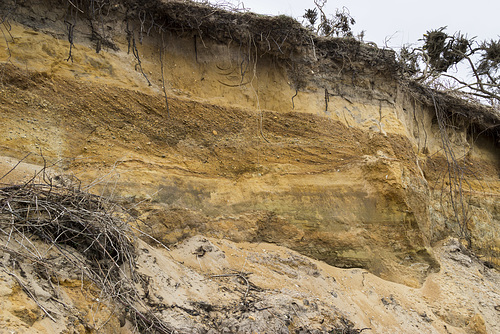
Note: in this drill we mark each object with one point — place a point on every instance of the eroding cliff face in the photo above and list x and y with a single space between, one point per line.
329 156
272 144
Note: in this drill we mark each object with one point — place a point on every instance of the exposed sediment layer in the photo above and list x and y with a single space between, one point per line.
294 144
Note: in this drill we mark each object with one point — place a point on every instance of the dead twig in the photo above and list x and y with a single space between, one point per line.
13 168
243 276
30 294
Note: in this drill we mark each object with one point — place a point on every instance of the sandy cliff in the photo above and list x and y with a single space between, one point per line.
292 155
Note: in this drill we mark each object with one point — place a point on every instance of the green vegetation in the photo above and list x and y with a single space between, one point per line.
430 62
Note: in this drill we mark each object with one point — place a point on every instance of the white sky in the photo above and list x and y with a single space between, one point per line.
406 21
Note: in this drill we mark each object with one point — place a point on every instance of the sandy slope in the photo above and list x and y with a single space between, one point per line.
206 284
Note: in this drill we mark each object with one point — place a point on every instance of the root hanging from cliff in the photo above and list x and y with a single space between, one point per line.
135 52
6 28
296 93
456 178
261 113
162 48
70 22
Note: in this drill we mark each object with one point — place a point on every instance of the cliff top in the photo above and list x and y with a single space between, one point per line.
280 37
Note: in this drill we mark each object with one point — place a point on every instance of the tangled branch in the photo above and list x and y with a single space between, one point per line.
83 228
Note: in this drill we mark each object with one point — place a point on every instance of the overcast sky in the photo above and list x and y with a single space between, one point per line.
401 21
